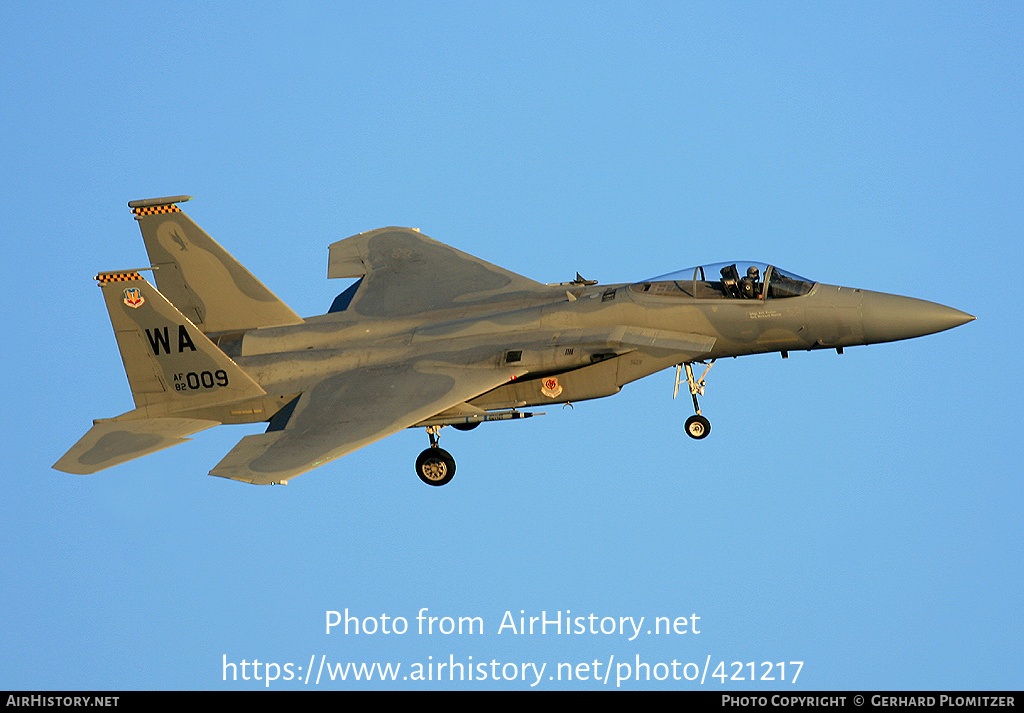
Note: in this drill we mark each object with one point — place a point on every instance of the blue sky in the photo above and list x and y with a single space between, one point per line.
859 513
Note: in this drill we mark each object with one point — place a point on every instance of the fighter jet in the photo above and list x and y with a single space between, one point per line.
428 337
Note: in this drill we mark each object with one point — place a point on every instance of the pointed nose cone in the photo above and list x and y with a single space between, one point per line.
891 317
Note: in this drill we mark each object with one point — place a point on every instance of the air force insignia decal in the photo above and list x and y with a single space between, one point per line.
133 297
550 387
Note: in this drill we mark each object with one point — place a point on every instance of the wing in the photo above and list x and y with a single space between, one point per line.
349 410
405 272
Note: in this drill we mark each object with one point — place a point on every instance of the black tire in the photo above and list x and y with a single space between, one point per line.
697 427
465 426
435 466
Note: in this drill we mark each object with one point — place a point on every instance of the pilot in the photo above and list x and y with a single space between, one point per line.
750 285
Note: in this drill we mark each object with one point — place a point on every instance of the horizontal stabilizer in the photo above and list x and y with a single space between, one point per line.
111 442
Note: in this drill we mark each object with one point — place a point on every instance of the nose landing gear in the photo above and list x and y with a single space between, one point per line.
696 426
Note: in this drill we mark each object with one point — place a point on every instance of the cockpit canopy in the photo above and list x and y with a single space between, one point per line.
727 280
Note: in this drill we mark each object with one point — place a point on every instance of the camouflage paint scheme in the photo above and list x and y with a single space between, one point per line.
429 336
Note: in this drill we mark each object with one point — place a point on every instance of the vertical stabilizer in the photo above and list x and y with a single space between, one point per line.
171 365
201 278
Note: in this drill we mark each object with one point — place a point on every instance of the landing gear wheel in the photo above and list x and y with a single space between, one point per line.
435 466
697 427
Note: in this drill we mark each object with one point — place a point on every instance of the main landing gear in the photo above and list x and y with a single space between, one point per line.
435 466
696 426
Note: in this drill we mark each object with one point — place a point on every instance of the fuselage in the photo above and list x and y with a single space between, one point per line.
591 339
